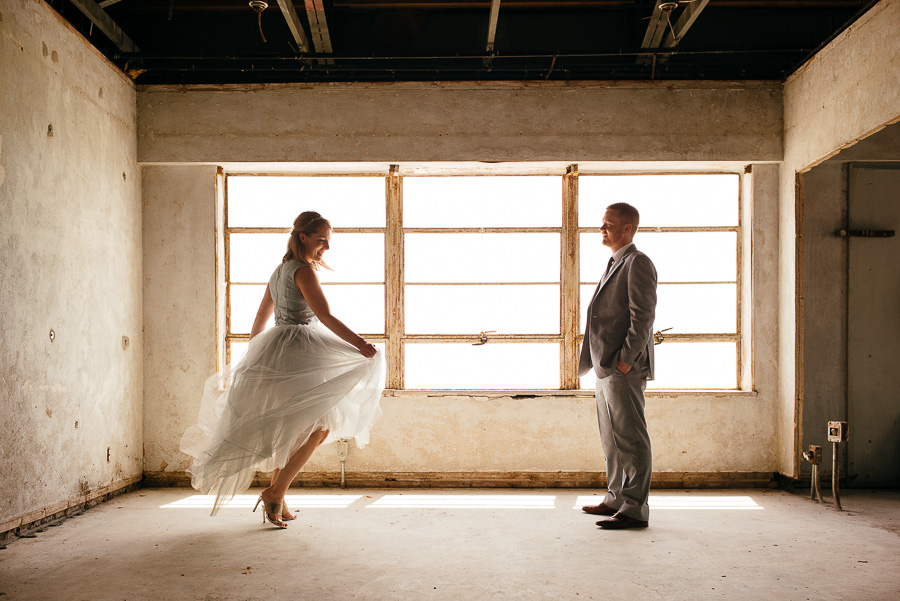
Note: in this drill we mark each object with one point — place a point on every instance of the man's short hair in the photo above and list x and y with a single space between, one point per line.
628 213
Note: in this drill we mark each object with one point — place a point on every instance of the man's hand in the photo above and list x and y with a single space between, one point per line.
622 366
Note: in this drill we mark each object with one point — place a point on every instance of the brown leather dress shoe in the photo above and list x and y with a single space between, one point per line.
621 522
600 509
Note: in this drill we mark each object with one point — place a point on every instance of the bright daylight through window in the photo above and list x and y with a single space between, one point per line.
483 274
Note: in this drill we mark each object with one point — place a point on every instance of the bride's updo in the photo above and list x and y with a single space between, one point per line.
306 223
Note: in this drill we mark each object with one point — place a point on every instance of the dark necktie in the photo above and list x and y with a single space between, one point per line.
609 266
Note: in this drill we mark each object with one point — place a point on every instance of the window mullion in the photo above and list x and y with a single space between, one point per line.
393 285
569 275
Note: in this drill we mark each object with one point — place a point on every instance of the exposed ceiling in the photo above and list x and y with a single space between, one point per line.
228 41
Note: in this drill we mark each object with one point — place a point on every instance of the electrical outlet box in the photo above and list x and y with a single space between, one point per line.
837 431
814 454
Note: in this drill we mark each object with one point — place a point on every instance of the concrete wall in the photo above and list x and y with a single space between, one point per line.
724 432
824 336
825 264
70 261
848 91
548 121
179 262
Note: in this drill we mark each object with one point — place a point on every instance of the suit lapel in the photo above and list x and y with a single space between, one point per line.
613 270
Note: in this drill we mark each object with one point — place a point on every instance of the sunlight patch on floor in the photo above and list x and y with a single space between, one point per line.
465 502
706 503
248 501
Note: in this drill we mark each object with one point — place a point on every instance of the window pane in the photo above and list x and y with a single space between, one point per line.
238 350
253 257
511 201
697 308
498 366
482 257
686 308
472 309
275 201
360 307
353 257
663 200
678 257
244 304
693 365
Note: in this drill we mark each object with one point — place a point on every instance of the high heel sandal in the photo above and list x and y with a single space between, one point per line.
270 509
286 513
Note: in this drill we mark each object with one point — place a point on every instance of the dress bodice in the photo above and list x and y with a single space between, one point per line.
290 306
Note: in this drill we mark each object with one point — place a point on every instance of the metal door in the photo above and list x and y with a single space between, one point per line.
873 327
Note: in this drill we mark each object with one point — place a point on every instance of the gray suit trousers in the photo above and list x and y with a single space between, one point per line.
626 442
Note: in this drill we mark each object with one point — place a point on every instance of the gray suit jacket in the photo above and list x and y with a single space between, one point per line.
620 318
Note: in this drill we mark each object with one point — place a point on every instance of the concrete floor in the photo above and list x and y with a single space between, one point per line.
161 544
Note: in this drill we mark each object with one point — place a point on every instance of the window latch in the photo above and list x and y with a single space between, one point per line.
483 337
658 336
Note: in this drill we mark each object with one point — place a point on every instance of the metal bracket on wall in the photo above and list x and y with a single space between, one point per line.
844 233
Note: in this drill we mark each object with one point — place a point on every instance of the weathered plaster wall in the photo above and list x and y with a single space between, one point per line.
825 262
848 91
70 261
449 122
179 261
824 302
548 121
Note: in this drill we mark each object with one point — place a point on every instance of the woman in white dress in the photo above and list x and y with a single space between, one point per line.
305 382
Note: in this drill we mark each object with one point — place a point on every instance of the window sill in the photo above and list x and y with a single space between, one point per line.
528 394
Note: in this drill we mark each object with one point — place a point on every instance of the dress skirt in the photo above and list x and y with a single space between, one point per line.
294 380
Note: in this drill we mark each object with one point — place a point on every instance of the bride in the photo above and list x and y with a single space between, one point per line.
303 383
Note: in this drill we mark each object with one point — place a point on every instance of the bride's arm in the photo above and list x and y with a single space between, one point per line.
266 308
306 281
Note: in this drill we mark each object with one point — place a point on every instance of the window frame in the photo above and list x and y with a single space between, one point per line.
226 284
736 337
570 335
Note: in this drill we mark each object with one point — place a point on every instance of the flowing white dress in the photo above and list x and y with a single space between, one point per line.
296 378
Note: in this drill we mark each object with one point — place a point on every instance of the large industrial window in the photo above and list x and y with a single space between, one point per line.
481 282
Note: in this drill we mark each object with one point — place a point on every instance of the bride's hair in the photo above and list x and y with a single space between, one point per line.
306 223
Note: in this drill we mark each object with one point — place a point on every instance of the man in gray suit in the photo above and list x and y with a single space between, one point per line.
618 345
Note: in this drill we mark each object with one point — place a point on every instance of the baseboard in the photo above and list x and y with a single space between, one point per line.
661 480
59 511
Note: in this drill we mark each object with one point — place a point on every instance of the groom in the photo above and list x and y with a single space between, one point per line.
618 345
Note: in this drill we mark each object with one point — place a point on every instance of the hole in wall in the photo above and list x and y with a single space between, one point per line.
44 49
50 131
54 56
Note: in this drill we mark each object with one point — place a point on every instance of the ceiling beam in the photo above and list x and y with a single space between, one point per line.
656 28
105 24
318 27
685 20
293 22
492 24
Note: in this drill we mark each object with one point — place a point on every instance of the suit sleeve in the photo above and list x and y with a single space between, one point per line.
642 309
